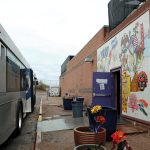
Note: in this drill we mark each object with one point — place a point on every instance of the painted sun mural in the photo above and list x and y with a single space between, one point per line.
130 50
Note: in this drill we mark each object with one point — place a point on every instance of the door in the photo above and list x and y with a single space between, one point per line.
117 90
103 89
29 90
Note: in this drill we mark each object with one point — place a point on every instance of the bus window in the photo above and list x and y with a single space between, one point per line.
2 68
0 53
13 73
3 53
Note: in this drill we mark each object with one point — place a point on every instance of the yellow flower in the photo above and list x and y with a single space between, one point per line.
96 109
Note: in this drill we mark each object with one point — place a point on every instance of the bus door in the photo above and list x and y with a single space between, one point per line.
29 89
4 114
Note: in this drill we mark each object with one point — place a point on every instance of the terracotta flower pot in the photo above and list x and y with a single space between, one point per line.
83 135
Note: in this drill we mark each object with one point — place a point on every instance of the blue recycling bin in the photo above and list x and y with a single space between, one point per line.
67 103
110 115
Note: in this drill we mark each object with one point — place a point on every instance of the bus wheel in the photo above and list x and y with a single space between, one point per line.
19 120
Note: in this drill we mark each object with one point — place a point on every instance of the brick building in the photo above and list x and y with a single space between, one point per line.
77 79
125 52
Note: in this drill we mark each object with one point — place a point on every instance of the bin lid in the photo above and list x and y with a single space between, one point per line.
76 101
80 98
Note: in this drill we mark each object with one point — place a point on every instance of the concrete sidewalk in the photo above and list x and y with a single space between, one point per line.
58 136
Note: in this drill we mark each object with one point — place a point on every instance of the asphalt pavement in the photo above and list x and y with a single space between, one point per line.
57 137
26 140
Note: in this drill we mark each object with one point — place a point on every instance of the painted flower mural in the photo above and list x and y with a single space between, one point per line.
136 104
142 105
133 102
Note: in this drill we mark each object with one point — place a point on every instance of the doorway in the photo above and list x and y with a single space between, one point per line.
117 90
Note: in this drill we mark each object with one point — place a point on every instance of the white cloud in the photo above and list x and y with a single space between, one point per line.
47 31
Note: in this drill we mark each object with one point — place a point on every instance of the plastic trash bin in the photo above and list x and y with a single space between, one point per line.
77 109
67 103
110 115
80 98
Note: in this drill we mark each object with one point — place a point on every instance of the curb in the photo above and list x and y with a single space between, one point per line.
38 137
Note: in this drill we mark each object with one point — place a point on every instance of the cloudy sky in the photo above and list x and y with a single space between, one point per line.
47 31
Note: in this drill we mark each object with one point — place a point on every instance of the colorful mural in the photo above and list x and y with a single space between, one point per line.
142 80
126 85
136 104
129 49
132 48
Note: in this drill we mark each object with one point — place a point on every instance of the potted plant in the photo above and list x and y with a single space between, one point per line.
119 141
94 133
110 115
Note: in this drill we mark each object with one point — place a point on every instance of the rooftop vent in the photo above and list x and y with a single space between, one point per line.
118 10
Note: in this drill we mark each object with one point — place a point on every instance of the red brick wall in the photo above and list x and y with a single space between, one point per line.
77 80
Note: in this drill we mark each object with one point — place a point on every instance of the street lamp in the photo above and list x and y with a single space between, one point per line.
88 59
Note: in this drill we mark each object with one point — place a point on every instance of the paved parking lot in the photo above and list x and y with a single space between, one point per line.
64 139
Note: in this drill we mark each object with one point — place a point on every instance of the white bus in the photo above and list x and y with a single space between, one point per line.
17 88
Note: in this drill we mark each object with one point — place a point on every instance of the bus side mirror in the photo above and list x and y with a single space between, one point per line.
37 82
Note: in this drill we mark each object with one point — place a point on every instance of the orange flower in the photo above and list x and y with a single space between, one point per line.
100 119
117 137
